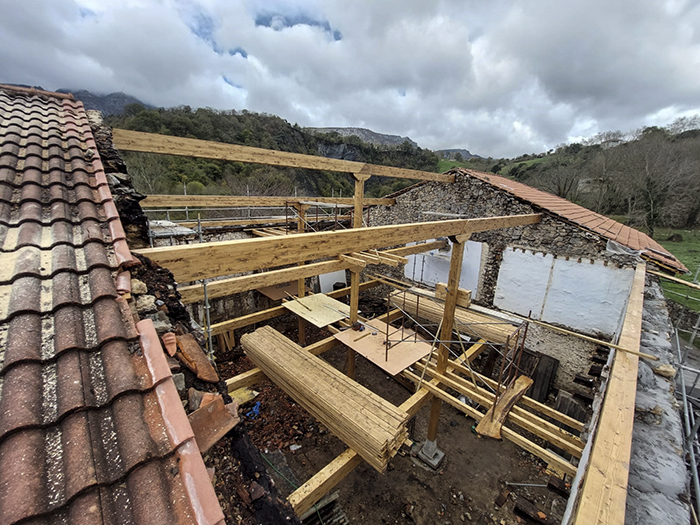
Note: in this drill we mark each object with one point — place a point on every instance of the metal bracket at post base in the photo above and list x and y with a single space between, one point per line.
430 454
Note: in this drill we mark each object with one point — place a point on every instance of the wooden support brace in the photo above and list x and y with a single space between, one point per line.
303 498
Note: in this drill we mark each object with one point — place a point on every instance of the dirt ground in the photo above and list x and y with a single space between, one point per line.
463 490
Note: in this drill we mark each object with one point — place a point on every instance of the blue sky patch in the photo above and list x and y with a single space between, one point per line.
278 22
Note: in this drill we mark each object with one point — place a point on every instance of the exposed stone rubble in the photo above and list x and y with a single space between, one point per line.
474 198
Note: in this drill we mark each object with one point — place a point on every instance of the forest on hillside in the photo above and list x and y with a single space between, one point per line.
648 178
155 174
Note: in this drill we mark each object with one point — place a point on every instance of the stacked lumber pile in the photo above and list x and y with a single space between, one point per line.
368 424
472 324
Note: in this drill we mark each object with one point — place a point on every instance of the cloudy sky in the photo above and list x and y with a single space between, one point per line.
499 78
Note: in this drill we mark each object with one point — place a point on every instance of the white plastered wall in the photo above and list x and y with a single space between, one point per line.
434 267
587 296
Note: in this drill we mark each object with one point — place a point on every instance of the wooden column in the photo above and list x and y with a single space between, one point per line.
354 302
301 283
447 324
360 179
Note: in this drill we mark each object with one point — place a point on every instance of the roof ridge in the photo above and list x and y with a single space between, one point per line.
36 91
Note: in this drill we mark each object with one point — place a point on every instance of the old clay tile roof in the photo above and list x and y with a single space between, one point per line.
583 217
91 426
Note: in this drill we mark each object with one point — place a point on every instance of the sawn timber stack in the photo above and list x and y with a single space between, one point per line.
368 424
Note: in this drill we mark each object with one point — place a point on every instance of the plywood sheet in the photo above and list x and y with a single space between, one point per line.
401 355
319 309
277 291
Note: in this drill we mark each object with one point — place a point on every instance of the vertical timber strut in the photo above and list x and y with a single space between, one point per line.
301 283
360 179
430 453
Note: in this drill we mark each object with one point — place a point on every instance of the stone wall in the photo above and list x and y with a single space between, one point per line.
474 198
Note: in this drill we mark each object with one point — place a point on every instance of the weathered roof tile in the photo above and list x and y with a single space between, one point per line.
90 432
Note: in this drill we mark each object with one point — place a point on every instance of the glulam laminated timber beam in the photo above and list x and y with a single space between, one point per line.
603 497
200 261
126 140
235 201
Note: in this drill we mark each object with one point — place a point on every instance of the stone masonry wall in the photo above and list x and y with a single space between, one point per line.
473 198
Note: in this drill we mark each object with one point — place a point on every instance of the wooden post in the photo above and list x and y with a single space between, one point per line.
360 179
447 324
301 283
354 302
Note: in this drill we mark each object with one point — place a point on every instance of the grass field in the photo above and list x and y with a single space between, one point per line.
445 164
688 252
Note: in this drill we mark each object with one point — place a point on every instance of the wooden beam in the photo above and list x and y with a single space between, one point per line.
519 416
549 457
198 261
225 287
301 282
303 498
354 303
464 297
154 143
675 279
271 313
447 323
239 201
405 251
359 195
603 497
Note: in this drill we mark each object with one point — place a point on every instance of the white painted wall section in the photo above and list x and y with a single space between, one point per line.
434 267
585 296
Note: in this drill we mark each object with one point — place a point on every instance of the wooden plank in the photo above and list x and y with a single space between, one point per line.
239 201
277 292
373 348
603 497
464 297
319 309
543 376
271 313
525 400
549 457
225 287
368 424
303 498
675 279
518 416
413 249
245 379
153 143
199 261
490 425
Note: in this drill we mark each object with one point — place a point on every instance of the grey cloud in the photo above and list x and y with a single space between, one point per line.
499 78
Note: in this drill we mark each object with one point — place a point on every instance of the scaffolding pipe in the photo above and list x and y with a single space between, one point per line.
688 442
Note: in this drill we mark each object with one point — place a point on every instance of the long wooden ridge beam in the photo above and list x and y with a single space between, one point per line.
603 497
200 261
154 143
233 201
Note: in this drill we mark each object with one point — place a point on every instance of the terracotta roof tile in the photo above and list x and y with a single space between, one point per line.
581 216
90 431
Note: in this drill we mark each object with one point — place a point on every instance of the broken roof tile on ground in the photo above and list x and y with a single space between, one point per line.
91 426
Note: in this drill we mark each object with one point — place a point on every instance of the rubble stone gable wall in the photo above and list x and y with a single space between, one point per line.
474 198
